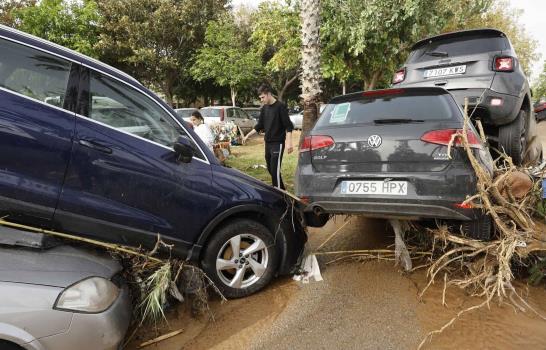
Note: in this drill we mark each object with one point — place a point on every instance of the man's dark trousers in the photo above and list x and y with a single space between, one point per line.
273 159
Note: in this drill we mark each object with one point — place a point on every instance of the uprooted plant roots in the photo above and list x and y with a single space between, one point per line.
486 269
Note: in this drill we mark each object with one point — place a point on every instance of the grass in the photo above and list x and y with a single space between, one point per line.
245 158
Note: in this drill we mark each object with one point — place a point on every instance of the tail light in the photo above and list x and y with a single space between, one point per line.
311 143
222 115
504 64
443 137
399 76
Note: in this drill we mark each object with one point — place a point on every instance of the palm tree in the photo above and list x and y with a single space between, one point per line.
311 76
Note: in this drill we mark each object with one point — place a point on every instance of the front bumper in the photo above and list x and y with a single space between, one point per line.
480 99
104 330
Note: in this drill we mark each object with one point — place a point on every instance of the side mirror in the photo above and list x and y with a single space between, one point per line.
183 149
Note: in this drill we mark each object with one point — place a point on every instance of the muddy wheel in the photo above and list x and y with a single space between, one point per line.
241 258
512 138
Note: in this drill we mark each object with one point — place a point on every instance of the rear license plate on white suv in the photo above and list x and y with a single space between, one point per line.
397 188
440 72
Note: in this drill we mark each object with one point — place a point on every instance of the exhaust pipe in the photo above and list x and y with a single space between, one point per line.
317 210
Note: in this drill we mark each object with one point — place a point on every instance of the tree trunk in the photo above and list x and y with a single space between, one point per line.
344 87
286 85
311 76
233 95
375 78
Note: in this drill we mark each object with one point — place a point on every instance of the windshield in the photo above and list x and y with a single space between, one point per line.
450 47
416 107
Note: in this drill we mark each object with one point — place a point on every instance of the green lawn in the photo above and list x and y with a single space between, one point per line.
252 153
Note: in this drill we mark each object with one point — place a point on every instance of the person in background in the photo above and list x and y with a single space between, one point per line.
202 130
276 124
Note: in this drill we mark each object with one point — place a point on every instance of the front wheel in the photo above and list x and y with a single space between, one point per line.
241 258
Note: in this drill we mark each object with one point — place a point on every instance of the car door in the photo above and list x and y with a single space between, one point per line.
125 183
36 130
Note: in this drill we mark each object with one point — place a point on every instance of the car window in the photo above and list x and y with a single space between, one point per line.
231 113
119 106
185 113
467 45
243 114
210 112
368 110
33 73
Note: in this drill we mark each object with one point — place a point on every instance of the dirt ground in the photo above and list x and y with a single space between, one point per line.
359 305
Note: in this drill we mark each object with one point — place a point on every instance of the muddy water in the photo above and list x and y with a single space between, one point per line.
370 305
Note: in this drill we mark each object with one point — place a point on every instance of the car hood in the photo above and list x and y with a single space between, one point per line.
58 267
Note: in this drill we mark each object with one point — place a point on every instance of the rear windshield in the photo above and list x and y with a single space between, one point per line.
467 45
408 106
210 112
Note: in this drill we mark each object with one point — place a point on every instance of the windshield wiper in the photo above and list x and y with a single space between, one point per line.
437 53
397 121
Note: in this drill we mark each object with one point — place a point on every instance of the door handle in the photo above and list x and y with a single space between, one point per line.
94 145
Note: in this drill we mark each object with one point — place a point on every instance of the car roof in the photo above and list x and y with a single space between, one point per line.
25 38
459 33
388 92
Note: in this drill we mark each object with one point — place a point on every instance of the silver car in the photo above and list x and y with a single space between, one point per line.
61 298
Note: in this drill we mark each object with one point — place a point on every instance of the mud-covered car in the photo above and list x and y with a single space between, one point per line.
384 153
481 66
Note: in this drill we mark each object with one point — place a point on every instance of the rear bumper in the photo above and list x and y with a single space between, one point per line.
391 210
481 100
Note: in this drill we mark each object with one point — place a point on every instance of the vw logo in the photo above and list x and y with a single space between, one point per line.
374 141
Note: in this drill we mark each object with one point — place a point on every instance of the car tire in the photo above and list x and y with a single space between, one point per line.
479 228
239 276
512 138
7 345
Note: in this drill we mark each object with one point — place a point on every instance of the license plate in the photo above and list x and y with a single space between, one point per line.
440 72
396 188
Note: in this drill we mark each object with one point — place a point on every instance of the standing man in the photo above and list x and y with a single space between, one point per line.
278 128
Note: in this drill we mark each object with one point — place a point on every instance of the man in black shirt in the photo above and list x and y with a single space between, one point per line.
278 128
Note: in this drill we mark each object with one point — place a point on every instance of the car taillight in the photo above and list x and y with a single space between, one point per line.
504 64
399 76
443 137
311 143
222 115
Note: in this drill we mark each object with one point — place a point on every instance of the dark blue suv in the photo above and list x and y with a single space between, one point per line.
87 149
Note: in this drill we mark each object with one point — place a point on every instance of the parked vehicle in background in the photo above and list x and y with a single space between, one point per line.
481 66
88 150
297 120
185 113
254 112
384 153
237 115
540 110
61 298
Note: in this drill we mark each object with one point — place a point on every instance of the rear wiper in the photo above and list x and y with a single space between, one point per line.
437 53
397 121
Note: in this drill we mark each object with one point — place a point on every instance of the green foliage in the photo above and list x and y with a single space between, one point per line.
8 8
276 39
226 57
68 23
539 88
154 40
